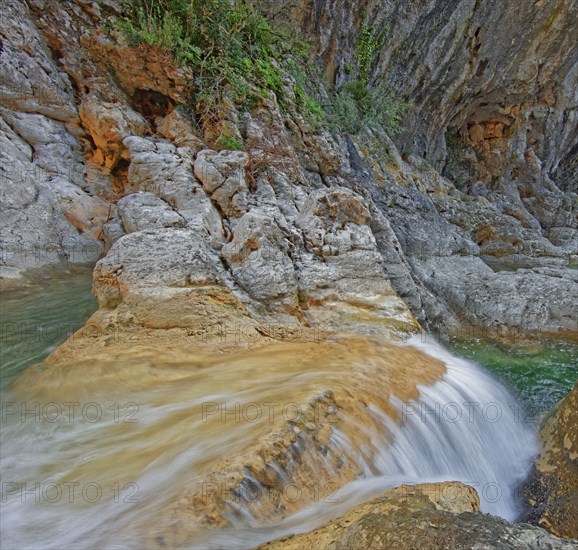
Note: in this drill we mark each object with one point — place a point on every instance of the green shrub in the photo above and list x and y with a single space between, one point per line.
308 90
231 47
235 53
230 143
369 43
355 105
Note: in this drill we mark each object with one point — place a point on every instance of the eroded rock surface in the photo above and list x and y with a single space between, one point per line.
47 216
552 490
436 516
306 226
315 428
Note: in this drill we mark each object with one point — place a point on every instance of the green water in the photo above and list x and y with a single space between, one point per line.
35 320
539 373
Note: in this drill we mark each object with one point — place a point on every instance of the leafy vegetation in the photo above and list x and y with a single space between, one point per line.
236 54
356 104
230 143
369 43
230 46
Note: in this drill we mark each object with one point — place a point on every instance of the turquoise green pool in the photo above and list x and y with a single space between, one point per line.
539 373
36 319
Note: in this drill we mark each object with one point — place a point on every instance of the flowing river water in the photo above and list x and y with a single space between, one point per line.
114 467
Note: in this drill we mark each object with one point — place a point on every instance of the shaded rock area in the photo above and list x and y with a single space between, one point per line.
436 516
496 76
551 492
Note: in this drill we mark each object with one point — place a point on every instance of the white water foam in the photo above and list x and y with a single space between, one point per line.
465 427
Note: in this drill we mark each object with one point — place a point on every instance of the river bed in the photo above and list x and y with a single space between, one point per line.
493 454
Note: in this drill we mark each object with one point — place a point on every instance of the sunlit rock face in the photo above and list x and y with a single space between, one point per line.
552 491
307 226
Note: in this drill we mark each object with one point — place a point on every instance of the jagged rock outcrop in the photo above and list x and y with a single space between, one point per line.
435 516
316 206
493 93
47 216
551 492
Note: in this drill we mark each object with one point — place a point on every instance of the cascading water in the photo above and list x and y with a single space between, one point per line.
465 427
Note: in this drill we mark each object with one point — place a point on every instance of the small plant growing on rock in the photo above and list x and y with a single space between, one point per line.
356 104
230 143
369 43
237 57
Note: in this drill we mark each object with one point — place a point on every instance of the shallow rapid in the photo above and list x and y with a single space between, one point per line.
114 469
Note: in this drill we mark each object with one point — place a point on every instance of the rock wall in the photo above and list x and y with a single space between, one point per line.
500 75
304 227
48 216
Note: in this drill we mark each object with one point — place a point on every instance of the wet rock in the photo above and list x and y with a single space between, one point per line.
301 424
551 492
436 516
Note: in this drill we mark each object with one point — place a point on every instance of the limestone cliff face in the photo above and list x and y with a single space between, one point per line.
305 227
48 216
493 88
500 74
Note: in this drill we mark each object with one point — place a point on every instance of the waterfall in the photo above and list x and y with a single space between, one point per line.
466 426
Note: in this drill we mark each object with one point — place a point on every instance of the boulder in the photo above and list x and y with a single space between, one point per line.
141 211
551 492
434 516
